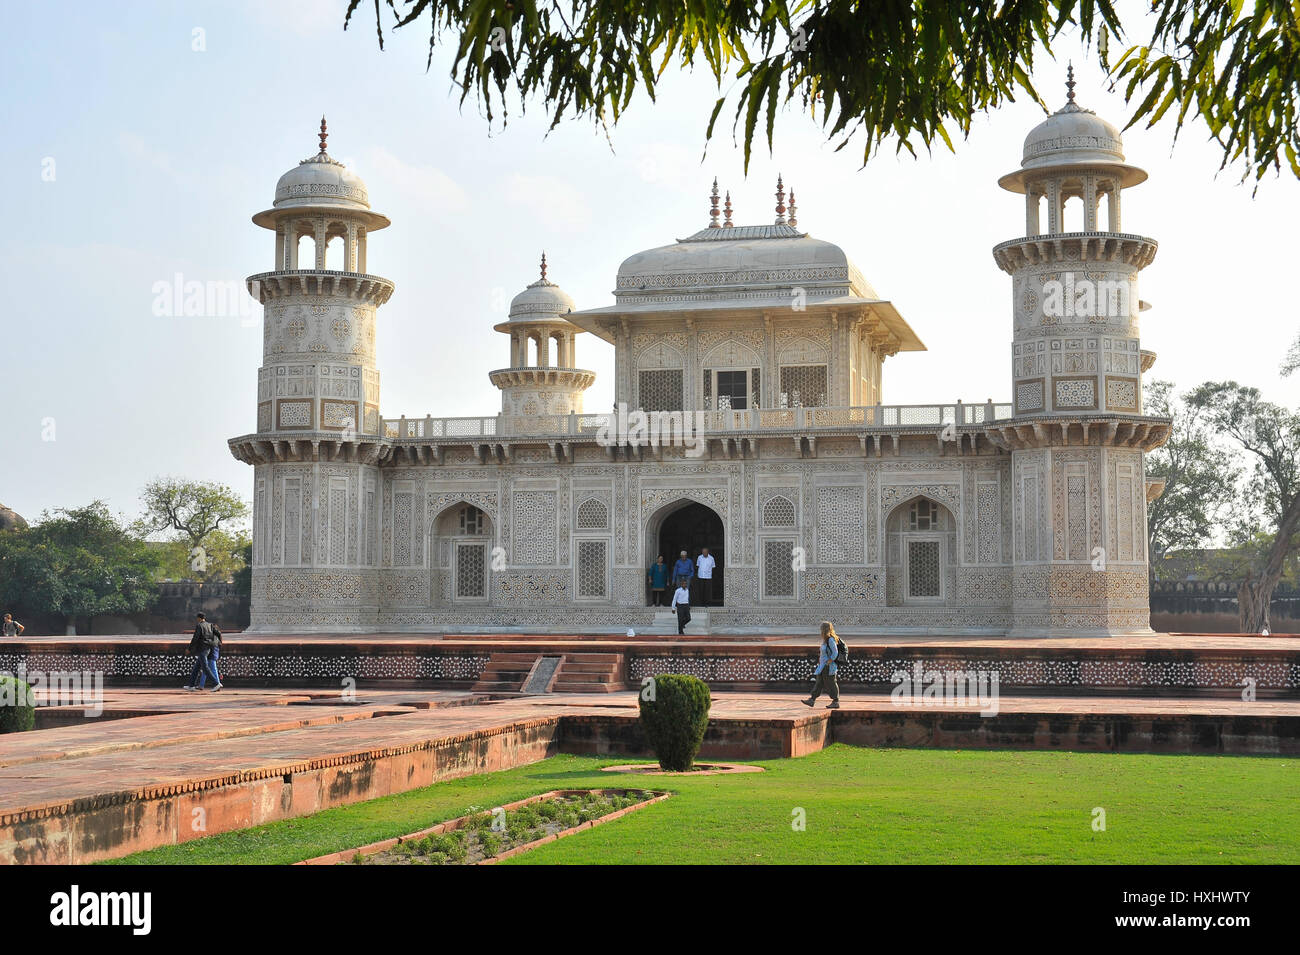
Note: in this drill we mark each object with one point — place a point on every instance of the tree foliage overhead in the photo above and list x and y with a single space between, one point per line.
916 72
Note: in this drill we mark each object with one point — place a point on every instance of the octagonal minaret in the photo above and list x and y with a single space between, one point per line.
318 345
547 382
316 486
1078 436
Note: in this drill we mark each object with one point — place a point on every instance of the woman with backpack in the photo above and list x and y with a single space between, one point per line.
826 668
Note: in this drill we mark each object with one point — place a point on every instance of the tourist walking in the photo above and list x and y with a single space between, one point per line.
682 604
826 668
206 647
704 565
12 628
657 577
684 569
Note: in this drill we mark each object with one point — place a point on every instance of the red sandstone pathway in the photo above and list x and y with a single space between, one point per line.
196 740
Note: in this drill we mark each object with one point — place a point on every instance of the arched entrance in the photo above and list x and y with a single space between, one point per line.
690 526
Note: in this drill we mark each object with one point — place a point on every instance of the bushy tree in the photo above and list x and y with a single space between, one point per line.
77 562
17 707
674 717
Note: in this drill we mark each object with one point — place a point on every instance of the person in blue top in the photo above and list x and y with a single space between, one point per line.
657 577
826 668
684 570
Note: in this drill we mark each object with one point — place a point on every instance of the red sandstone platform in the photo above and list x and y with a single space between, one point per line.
103 788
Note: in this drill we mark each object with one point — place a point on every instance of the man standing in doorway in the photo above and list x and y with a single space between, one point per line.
683 571
704 565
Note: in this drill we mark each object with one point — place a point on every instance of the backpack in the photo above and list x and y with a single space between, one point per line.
841 651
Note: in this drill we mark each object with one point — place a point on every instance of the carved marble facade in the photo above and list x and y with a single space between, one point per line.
1030 521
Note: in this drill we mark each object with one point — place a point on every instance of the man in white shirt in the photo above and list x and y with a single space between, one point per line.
682 605
704 565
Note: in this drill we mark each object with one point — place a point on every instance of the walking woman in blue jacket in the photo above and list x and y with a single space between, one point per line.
826 668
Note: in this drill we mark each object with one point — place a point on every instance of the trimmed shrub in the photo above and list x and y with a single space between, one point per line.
17 714
675 720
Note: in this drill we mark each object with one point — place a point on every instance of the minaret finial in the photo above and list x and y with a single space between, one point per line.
1069 81
543 266
713 205
323 134
794 223
727 211
780 200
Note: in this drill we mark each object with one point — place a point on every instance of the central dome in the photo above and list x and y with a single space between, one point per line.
745 260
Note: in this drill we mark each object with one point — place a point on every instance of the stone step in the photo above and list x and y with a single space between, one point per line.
590 673
607 668
505 672
566 687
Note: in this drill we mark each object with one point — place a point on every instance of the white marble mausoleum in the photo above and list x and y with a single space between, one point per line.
748 368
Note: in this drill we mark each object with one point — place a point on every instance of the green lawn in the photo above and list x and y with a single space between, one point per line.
861 805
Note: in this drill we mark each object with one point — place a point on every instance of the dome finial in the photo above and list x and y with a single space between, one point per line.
727 211
543 266
713 205
1069 82
794 223
780 200
323 134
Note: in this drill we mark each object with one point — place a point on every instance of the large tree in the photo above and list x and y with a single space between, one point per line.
76 563
916 72
222 557
1270 436
203 514
1200 477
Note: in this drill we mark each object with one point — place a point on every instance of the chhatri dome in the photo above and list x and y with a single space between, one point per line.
1072 136
320 183
541 300
543 377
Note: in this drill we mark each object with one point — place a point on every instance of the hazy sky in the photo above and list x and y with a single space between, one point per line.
160 153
